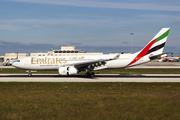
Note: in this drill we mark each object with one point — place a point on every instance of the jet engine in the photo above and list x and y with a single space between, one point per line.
67 70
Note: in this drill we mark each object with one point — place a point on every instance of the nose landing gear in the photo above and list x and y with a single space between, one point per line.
29 73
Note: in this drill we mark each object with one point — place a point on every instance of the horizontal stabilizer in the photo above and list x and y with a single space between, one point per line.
153 57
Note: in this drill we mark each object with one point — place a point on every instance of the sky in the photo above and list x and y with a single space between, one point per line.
28 26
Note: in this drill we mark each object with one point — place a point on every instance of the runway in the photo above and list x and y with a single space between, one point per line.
98 78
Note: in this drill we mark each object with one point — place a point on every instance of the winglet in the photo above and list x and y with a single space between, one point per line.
116 57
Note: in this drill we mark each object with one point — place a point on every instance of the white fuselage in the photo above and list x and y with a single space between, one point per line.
54 62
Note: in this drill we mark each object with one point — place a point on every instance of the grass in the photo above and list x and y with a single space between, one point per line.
113 71
79 101
139 101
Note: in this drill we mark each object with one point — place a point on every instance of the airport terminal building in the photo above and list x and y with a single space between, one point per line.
11 56
64 51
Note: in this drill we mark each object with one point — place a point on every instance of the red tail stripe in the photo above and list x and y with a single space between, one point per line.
143 52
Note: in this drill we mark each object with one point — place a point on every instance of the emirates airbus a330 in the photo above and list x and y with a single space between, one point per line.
69 65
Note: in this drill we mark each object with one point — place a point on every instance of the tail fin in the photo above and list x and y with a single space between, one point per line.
154 47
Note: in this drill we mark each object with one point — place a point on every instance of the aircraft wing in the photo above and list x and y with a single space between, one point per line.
83 64
87 63
152 57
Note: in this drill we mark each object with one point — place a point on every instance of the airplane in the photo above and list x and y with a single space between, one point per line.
70 65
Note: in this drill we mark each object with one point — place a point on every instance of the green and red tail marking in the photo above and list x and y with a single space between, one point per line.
147 50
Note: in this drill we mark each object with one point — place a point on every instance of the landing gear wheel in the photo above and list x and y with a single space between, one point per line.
87 74
29 73
91 75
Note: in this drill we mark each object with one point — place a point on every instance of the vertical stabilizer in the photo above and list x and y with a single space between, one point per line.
154 47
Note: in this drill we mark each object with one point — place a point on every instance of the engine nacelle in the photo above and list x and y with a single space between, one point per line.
73 70
67 70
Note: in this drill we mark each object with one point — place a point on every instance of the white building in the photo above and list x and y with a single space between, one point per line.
11 56
65 50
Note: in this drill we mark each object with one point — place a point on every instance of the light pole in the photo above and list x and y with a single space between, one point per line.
131 42
17 55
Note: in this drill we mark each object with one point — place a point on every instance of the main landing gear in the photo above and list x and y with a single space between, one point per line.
90 74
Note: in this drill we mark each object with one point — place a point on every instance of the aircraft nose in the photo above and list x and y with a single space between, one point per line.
15 64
